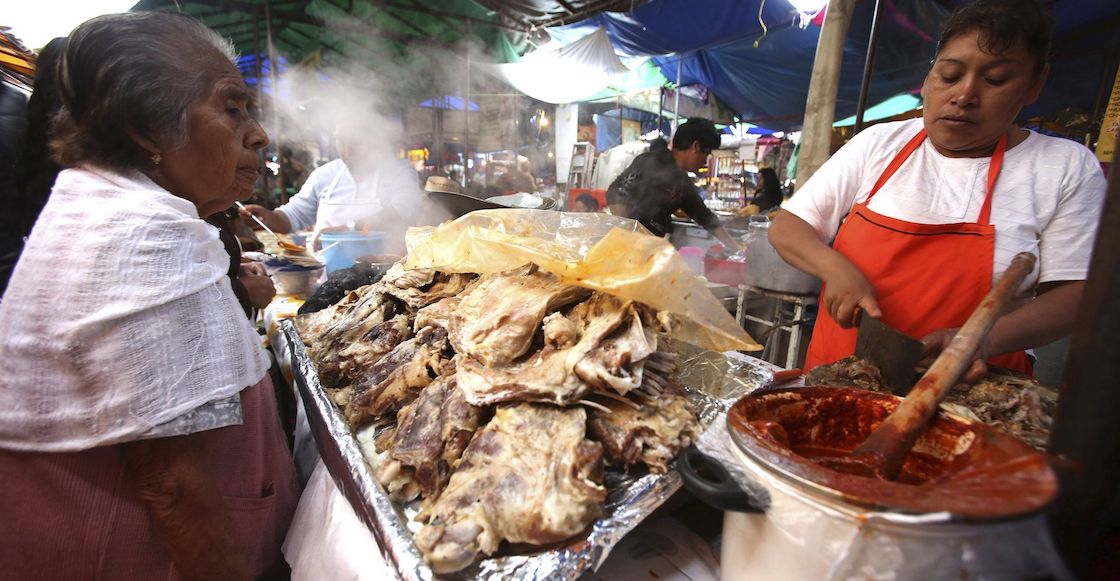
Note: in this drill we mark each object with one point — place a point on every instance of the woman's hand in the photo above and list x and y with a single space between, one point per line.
847 291
846 288
260 288
187 512
937 341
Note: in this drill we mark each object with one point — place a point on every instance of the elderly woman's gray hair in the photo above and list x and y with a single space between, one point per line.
125 76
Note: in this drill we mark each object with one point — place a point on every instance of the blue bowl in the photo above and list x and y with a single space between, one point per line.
341 249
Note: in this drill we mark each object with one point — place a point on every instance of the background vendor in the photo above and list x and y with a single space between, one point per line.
924 213
367 185
657 183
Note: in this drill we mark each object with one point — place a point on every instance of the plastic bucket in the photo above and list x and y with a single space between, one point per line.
341 249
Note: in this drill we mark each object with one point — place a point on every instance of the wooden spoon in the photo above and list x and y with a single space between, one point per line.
882 454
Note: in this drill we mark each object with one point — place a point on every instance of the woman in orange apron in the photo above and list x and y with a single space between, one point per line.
924 279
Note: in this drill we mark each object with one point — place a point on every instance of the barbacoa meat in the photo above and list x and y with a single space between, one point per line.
496 319
429 439
546 375
398 377
651 434
528 476
1003 399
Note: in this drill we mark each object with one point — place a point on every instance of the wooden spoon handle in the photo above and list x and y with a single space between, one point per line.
893 438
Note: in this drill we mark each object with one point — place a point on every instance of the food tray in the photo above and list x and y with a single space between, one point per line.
712 383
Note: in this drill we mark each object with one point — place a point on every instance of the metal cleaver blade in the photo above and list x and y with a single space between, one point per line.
894 353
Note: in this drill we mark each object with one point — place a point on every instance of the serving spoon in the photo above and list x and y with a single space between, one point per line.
283 243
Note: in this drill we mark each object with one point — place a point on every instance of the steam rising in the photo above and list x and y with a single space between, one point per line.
356 109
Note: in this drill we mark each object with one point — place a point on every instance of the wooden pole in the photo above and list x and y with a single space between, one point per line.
820 107
275 101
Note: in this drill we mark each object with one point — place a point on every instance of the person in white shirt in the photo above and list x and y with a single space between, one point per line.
923 214
358 189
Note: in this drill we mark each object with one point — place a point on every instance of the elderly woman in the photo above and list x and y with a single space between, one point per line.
138 430
923 213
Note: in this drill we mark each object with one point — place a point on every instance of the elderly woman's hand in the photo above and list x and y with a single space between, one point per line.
257 284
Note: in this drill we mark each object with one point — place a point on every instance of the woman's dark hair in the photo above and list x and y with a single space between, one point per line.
771 194
133 74
1002 25
589 200
36 170
696 129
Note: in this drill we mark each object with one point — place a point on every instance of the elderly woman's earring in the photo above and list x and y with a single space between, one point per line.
156 158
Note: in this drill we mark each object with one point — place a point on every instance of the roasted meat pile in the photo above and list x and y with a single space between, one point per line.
500 400
1002 399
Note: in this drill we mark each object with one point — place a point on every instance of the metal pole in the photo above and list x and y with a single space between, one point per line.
868 65
275 101
677 96
467 112
660 107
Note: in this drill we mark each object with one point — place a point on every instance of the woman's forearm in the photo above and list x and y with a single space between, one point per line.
800 245
1044 320
847 291
188 513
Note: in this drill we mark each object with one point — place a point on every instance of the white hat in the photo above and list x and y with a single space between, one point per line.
441 184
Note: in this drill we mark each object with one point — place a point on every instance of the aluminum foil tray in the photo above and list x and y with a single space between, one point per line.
712 382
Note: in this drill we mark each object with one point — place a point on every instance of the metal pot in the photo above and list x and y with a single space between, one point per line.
766 269
972 508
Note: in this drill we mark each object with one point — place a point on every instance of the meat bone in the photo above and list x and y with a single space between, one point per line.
881 455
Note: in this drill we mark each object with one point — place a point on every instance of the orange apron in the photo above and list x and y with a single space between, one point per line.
927 276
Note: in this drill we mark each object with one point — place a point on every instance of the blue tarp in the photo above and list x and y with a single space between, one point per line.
769 84
450 102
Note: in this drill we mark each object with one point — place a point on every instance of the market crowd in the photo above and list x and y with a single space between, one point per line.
139 431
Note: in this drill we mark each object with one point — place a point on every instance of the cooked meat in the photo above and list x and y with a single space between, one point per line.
422 287
312 325
338 284
511 487
437 314
368 311
1003 399
496 319
430 437
369 348
652 434
847 372
1012 403
547 374
616 363
398 277
397 377
560 332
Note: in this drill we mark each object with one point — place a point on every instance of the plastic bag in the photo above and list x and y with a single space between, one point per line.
597 251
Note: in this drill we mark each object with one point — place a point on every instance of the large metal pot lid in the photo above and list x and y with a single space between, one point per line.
966 469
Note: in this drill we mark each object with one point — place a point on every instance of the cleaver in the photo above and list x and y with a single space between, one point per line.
894 353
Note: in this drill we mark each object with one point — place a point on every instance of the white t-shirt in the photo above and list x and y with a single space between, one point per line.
1047 199
331 197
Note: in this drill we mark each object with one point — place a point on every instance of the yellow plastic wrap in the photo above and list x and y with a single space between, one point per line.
597 251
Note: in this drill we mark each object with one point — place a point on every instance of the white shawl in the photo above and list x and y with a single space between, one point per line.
118 318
